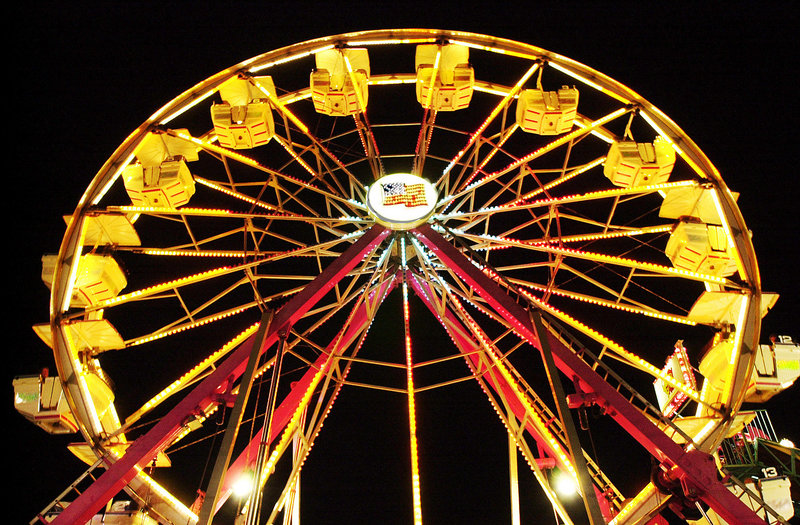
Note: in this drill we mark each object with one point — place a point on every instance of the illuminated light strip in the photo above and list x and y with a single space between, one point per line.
412 413
540 424
496 111
393 41
202 212
579 197
73 269
206 144
196 99
607 235
492 91
612 345
208 212
602 136
672 143
162 492
297 97
434 75
589 82
193 373
361 105
290 58
296 157
736 347
189 326
597 257
634 503
110 182
194 253
610 304
495 50
273 98
552 184
726 228
236 194
391 81
144 292
80 373
541 151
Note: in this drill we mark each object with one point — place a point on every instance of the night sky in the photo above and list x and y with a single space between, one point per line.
82 78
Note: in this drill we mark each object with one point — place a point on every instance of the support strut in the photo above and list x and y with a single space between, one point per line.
697 469
145 448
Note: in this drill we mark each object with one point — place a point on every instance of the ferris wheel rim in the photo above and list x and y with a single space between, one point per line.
749 273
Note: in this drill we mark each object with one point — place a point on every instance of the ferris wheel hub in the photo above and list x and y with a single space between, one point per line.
401 201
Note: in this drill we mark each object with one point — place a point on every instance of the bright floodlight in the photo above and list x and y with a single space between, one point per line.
243 485
565 485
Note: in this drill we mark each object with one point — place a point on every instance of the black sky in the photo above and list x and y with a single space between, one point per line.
83 76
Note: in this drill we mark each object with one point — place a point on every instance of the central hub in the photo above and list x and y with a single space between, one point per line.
401 201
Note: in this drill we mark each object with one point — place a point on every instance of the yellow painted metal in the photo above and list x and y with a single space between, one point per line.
547 112
631 164
445 79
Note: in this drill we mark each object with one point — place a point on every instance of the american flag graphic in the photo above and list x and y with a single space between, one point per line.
399 193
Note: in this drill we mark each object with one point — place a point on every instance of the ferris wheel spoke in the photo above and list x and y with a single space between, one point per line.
643 266
560 141
289 411
423 141
478 133
251 162
304 129
157 291
375 288
499 374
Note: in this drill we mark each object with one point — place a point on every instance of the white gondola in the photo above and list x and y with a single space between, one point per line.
160 176
775 492
445 79
339 82
547 112
631 164
777 367
40 399
243 119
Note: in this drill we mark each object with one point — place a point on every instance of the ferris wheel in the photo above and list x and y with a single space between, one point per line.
237 253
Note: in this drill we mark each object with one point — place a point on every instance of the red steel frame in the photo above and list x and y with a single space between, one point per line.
145 448
694 470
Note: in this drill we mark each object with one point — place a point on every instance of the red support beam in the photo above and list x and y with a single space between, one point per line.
695 469
145 448
358 322
471 349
